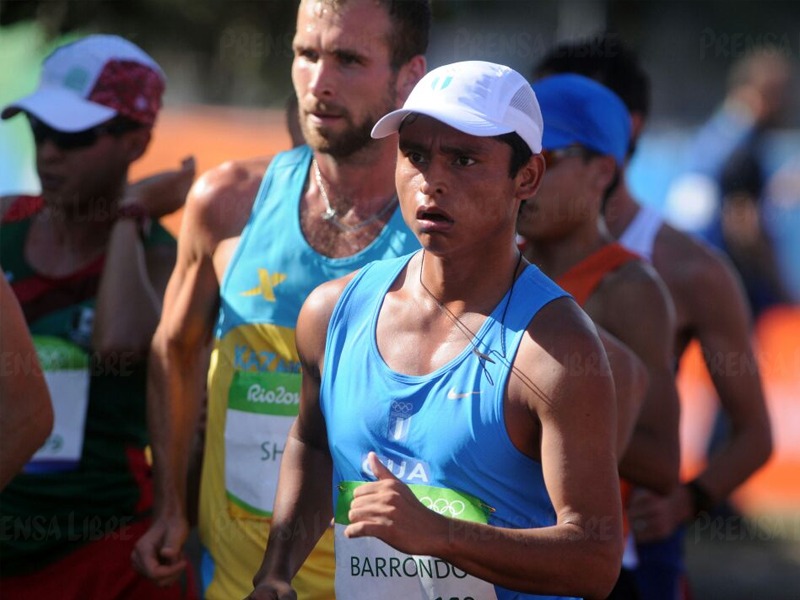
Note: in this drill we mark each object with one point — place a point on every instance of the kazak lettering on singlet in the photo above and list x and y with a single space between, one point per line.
442 433
270 275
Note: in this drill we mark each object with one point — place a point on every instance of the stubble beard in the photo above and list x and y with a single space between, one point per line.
355 137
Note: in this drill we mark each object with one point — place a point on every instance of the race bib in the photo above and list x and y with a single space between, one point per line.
261 410
367 568
66 371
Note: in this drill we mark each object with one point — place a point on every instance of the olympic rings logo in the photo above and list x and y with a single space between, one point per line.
402 407
443 506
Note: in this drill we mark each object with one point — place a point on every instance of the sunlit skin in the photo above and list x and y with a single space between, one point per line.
455 191
342 75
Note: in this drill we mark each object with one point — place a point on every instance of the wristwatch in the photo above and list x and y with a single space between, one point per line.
701 499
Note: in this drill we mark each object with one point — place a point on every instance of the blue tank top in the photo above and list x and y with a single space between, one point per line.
442 433
254 376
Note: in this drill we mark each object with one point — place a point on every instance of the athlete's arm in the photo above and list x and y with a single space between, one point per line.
25 406
303 499
215 211
723 330
630 385
135 276
571 429
637 309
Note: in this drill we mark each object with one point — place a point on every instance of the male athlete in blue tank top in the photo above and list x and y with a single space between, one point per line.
456 411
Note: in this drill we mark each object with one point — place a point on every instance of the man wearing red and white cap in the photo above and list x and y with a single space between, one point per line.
88 263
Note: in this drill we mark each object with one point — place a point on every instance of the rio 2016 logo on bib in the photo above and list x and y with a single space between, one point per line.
272 394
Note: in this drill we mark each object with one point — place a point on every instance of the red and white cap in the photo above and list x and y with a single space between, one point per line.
92 80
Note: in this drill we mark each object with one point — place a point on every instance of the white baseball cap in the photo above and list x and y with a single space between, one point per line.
92 80
479 98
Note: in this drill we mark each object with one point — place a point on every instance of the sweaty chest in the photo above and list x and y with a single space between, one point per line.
333 241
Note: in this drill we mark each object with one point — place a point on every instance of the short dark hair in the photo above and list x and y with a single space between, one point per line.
606 59
411 25
520 151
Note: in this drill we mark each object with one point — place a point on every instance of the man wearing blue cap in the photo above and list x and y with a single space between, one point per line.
587 129
466 458
693 273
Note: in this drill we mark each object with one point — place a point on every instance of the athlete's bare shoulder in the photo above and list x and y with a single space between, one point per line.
694 272
682 260
634 284
559 363
220 201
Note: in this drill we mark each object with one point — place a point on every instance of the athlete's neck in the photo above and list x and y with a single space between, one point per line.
556 256
362 181
621 209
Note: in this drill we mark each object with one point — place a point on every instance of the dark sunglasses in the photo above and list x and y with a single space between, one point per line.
72 140
553 157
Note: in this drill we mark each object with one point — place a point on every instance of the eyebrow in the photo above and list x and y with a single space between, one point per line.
338 51
449 149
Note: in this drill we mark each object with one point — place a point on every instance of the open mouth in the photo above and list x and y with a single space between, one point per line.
435 217
432 215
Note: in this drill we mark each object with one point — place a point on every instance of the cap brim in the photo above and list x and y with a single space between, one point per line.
61 110
457 119
554 138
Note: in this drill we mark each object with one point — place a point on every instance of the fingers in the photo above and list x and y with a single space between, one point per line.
272 592
188 163
378 469
356 530
162 565
172 547
145 561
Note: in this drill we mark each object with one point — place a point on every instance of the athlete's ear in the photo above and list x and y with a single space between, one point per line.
637 124
605 168
136 142
407 77
529 177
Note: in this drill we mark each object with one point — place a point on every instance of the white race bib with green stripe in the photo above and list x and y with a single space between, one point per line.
261 410
66 371
367 568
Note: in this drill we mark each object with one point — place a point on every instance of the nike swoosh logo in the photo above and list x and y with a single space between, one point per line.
453 395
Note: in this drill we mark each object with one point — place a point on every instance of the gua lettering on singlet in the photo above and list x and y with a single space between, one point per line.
390 573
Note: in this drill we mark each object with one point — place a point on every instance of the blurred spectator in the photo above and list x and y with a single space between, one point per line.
721 196
26 412
88 263
744 236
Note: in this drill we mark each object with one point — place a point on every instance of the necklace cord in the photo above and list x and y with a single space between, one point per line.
331 215
466 331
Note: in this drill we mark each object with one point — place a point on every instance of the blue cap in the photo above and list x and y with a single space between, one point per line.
578 110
